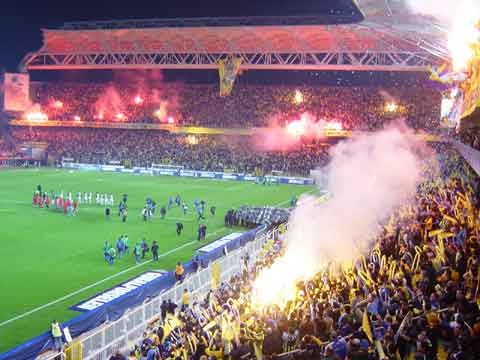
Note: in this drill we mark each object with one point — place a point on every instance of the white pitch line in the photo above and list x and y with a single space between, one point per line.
101 281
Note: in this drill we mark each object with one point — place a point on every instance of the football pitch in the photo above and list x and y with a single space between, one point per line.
49 261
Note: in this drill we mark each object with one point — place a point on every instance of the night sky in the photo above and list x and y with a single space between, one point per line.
21 20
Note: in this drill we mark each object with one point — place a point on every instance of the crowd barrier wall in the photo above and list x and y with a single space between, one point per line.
471 155
186 173
121 322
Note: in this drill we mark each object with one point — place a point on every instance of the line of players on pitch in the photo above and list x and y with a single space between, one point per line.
61 201
122 247
150 207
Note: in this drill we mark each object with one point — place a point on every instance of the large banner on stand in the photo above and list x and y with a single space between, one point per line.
16 92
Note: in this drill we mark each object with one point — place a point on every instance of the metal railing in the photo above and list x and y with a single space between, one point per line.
123 333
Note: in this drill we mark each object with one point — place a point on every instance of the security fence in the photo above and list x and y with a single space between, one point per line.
121 334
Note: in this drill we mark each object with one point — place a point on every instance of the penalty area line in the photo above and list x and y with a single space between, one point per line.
79 291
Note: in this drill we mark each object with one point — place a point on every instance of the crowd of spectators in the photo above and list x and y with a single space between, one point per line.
471 137
358 108
413 296
146 147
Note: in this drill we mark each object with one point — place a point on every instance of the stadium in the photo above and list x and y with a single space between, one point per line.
261 187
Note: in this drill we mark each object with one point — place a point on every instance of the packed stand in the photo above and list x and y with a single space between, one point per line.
357 108
413 296
471 137
147 147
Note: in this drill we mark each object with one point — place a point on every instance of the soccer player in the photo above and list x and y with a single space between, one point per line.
126 245
107 213
203 231
106 254
170 202
145 248
79 197
97 198
90 198
179 228
153 206
124 214
199 233
74 207
213 209
178 200
120 247
85 197
200 210
136 252
121 206
66 206
163 212
144 214
155 250
185 208
111 201
112 255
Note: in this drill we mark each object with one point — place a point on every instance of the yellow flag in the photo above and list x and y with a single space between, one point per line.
227 71
216 275
367 329
171 322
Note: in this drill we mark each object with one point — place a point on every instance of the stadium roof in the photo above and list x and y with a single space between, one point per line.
383 41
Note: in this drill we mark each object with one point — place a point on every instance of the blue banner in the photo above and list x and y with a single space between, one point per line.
189 173
115 308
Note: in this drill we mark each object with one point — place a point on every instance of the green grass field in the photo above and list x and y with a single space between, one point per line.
46 258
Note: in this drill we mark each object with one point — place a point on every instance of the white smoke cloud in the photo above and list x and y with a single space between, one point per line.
368 177
447 11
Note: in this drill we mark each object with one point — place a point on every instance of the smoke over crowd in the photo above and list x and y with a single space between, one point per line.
368 177
279 137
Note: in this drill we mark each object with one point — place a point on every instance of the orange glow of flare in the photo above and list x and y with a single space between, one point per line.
192 140
275 285
171 120
391 107
464 34
37 116
138 100
296 128
120 116
160 114
58 104
298 98
334 126
77 118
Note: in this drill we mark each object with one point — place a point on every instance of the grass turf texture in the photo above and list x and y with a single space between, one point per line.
45 255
